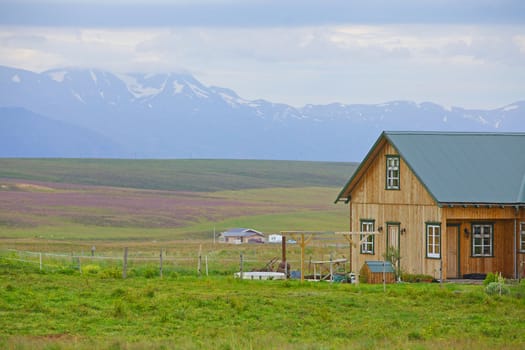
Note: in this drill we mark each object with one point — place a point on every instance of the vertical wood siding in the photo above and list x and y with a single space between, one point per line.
503 220
412 207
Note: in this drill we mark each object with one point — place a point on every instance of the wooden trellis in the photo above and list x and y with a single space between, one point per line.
348 236
303 238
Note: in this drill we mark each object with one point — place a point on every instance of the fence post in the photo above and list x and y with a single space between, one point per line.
441 273
160 262
206 259
79 265
241 267
40 260
331 268
384 277
199 262
125 263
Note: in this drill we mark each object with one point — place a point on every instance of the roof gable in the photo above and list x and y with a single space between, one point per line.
460 167
360 171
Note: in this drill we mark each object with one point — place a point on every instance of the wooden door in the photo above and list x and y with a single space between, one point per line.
453 252
392 242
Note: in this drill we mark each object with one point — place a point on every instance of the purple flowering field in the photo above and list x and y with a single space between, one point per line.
31 204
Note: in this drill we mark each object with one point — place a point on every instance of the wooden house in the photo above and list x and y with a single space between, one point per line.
241 235
451 205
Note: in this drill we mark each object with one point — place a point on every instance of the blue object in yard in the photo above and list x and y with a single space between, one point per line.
339 278
296 275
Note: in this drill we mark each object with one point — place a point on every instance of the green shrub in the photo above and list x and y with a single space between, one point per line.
113 272
413 278
519 290
495 288
67 270
415 335
144 271
151 272
491 277
172 274
90 269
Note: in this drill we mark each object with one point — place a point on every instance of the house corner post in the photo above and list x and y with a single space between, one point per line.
350 240
443 263
515 250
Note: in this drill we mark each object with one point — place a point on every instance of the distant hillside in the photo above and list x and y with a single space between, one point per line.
27 134
180 175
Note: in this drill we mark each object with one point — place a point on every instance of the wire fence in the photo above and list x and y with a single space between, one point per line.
152 263
129 263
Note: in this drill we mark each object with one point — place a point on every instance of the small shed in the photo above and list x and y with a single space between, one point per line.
275 238
241 235
373 272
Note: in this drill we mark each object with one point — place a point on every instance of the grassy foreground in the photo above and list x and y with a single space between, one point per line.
56 311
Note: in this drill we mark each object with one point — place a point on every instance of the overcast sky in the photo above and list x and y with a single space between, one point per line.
468 53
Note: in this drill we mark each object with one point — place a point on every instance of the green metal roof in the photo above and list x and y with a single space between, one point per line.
380 266
469 168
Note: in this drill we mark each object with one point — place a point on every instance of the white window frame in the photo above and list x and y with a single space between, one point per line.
368 245
482 239
392 172
433 241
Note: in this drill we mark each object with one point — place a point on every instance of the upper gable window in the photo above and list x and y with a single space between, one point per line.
392 172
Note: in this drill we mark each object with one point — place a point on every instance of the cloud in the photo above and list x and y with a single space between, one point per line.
268 13
280 48
23 41
287 51
338 45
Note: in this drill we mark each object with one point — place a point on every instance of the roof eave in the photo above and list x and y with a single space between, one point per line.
481 204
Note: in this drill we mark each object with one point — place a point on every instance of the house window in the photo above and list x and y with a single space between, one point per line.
482 240
367 241
522 237
434 241
392 173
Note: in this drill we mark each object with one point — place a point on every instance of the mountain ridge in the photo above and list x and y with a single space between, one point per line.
174 115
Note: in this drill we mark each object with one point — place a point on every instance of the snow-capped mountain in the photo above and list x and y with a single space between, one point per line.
174 115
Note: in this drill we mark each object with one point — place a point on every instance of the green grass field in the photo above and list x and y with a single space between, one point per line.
99 311
180 174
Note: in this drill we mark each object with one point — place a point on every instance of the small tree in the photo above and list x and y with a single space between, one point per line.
393 256
498 286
